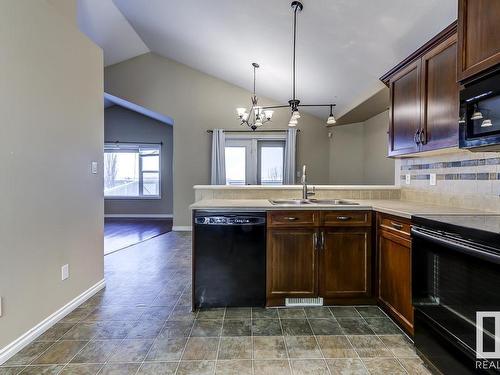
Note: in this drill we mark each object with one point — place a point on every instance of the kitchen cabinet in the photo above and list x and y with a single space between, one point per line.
440 101
319 254
478 37
424 98
394 269
291 263
345 263
404 123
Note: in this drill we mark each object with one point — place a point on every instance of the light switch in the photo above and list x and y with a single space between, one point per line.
93 167
64 272
433 179
408 179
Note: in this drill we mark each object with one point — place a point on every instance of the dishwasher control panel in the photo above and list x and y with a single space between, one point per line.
229 220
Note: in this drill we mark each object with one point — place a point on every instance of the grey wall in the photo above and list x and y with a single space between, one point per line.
121 124
198 102
378 168
51 206
358 153
347 155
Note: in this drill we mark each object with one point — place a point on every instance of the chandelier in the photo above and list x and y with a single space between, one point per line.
259 115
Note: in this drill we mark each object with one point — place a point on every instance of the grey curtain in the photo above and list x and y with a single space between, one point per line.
290 146
218 176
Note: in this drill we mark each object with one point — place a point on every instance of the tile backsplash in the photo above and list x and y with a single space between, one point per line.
463 179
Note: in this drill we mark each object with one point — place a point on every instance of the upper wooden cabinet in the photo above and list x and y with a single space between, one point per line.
405 113
478 36
424 97
440 103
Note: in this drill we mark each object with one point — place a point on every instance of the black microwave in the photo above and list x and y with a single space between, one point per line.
479 120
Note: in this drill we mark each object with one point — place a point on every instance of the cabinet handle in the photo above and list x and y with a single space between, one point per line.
422 137
315 240
322 240
396 225
343 218
290 218
416 137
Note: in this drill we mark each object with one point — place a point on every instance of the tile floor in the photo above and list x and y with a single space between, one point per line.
142 324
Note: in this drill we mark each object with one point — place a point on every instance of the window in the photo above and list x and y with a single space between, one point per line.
132 171
254 161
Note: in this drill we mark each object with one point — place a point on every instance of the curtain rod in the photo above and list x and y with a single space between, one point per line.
252 132
136 143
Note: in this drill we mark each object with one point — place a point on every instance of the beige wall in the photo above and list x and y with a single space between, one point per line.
124 125
358 153
198 102
51 206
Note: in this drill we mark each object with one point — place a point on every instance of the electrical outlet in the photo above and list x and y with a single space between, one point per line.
408 179
93 167
433 179
64 272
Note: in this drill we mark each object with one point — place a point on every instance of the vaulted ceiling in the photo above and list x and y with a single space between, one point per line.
344 46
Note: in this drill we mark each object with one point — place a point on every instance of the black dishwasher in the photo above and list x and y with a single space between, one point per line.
229 259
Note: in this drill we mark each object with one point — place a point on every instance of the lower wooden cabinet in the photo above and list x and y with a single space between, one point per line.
329 258
394 270
291 264
345 263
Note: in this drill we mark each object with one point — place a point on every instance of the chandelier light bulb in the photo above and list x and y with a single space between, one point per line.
241 111
296 114
268 114
244 116
258 122
331 120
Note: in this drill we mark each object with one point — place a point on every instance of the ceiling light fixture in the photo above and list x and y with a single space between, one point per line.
256 116
264 114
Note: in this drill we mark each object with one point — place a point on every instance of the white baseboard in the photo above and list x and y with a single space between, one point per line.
180 228
141 216
28 337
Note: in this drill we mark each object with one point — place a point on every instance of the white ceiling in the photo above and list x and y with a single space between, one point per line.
344 46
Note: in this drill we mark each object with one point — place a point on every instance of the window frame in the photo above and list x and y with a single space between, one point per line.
253 143
141 172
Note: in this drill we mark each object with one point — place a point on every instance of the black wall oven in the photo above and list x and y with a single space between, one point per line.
456 274
479 121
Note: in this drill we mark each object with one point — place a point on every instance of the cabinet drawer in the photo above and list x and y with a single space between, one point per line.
346 218
292 218
395 225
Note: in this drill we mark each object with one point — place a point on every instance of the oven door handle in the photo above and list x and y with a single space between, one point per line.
457 246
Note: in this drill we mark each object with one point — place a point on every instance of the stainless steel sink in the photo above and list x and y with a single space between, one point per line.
289 201
335 202
298 202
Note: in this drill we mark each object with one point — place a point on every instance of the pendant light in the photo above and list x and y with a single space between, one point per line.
264 114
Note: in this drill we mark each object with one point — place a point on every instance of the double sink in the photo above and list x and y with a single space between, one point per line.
300 202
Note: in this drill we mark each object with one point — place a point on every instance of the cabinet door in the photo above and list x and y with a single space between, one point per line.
478 36
440 96
405 110
345 263
291 263
394 269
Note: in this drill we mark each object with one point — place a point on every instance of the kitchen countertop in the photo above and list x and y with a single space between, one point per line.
395 207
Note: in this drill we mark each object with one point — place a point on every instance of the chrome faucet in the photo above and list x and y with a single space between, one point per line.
305 192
